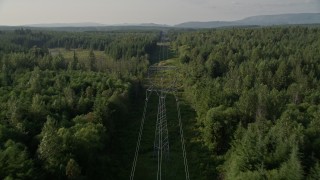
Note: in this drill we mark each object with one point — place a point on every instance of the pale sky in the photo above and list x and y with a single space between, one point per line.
21 12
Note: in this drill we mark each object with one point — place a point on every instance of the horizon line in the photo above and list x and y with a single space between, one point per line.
142 23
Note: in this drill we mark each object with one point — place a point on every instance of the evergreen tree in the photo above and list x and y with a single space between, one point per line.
50 147
15 162
91 63
73 170
5 77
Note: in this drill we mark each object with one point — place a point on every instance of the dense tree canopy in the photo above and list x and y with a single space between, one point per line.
64 98
256 93
59 105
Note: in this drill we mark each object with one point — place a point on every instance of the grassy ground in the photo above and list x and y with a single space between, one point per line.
147 162
146 168
161 53
81 53
103 61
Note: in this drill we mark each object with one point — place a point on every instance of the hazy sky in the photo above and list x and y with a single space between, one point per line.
20 12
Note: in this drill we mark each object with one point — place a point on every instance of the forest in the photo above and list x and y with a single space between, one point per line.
70 102
256 95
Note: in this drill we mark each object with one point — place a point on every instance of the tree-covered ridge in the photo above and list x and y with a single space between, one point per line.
256 93
118 44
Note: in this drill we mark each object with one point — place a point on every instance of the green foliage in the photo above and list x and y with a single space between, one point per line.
255 92
261 151
218 128
315 172
15 162
5 77
49 147
61 106
73 170
261 81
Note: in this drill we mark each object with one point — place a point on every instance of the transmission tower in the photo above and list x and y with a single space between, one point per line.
162 81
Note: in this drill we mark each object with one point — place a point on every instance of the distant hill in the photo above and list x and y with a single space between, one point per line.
90 24
210 24
304 18
85 24
91 28
264 20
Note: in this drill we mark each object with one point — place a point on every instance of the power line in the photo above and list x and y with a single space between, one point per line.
161 141
159 84
184 153
140 133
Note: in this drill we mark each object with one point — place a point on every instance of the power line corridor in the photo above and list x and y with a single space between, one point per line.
161 86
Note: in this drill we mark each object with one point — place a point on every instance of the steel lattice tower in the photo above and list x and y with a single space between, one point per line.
161 140
162 83
162 80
